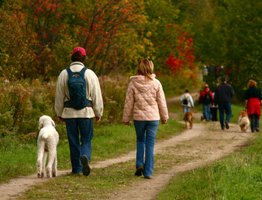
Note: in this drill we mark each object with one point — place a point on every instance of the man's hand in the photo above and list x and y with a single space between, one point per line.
98 119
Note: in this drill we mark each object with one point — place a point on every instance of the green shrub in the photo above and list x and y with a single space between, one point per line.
6 123
176 85
113 90
23 102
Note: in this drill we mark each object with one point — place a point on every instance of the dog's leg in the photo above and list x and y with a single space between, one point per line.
44 161
40 155
246 127
51 159
243 128
49 167
191 124
54 168
186 125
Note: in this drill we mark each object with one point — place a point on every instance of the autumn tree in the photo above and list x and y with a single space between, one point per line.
227 33
240 25
182 59
16 42
44 18
109 32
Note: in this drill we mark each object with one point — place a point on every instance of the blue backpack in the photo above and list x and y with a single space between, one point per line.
77 90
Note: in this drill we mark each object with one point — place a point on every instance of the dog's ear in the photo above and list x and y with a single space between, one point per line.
40 125
53 123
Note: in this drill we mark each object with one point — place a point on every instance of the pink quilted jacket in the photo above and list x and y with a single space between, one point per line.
145 100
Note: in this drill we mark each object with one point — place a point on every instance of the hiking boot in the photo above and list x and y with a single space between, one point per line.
139 171
227 125
148 177
257 130
85 165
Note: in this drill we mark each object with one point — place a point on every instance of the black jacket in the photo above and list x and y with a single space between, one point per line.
253 92
224 93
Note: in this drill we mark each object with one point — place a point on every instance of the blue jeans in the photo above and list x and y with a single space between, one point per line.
145 141
80 134
224 108
207 112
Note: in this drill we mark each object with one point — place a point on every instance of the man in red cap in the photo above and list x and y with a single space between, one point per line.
78 101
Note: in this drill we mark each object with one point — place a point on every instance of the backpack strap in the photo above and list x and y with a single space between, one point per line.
69 72
82 71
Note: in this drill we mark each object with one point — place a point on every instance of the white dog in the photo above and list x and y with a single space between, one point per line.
46 146
243 121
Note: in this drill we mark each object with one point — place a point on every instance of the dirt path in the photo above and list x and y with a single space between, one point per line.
202 145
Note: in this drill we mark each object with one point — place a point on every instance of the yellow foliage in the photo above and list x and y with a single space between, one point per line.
148 34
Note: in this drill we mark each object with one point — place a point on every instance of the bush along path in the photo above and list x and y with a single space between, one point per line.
193 148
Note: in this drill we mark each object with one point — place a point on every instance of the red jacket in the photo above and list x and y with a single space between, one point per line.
203 94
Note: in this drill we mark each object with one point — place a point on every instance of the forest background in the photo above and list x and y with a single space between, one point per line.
180 36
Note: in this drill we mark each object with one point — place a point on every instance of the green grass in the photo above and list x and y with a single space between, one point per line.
235 112
236 177
19 158
102 182
98 185
16 158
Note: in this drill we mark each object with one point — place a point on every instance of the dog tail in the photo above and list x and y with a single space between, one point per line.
45 135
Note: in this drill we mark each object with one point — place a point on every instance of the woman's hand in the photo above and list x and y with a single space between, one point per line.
127 123
164 121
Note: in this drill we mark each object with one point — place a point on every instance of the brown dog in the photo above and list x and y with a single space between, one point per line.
243 121
188 118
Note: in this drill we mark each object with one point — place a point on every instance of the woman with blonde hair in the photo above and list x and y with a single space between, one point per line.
145 103
253 99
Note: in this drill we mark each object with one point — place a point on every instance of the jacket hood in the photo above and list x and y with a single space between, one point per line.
142 83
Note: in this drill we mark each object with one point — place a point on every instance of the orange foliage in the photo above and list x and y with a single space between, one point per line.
184 57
